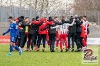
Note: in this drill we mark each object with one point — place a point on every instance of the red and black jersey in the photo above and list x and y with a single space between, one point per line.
43 25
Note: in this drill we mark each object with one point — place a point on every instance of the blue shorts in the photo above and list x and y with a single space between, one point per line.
13 39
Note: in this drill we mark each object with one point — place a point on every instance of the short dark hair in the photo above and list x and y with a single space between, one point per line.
33 19
10 17
37 17
81 17
85 16
55 17
22 17
26 17
50 19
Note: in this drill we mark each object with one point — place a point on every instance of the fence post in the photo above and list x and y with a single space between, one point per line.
30 9
98 17
0 14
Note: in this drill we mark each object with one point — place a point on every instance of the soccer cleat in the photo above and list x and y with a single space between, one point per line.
9 54
61 50
27 49
66 50
57 48
43 50
52 50
72 50
37 49
30 50
20 52
23 49
69 49
77 50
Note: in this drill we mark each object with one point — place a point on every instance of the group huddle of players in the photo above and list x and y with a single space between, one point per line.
53 32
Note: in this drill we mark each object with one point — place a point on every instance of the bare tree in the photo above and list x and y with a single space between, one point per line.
87 4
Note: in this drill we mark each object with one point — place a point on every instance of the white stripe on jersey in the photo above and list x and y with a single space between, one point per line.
64 28
85 24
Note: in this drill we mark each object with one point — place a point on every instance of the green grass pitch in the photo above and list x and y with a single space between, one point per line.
43 58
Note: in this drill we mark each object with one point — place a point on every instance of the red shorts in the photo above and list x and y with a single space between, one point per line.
63 37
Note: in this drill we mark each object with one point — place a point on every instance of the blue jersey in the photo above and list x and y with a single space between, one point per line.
13 30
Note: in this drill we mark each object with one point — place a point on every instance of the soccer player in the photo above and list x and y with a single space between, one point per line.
27 24
62 31
63 34
52 33
42 33
32 33
13 34
86 26
83 37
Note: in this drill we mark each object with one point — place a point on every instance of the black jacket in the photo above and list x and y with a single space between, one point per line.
52 31
33 29
78 28
72 29
23 25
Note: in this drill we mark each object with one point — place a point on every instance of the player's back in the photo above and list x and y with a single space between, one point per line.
64 28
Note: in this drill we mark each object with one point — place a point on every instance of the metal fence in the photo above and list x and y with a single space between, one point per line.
93 16
14 11
94 30
6 11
